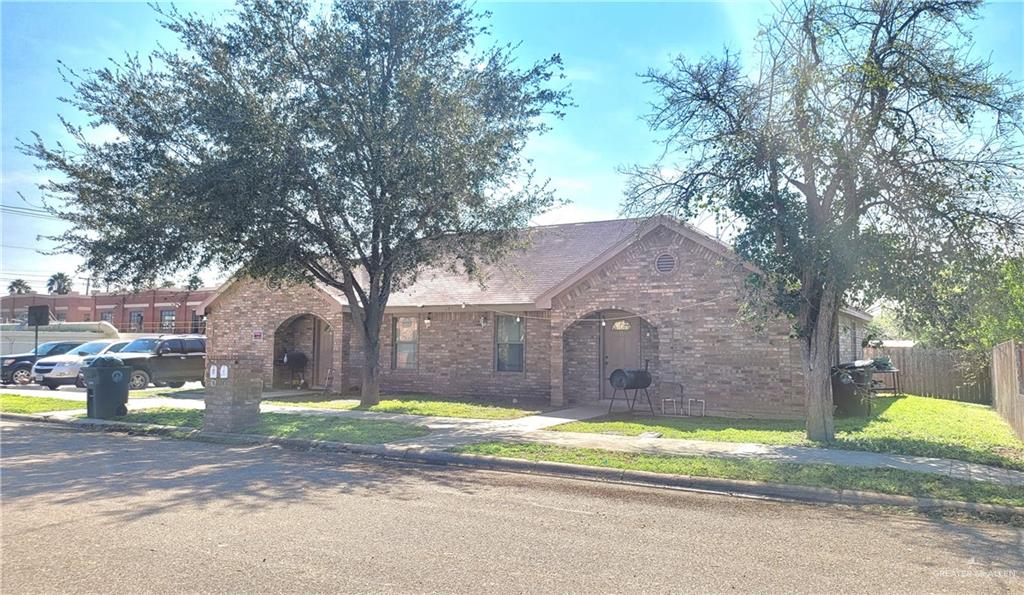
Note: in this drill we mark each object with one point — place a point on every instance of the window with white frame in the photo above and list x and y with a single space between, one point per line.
509 343
167 320
135 320
405 331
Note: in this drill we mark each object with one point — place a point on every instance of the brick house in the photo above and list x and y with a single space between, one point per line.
550 322
162 310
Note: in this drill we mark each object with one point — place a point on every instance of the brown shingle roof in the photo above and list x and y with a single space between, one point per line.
554 252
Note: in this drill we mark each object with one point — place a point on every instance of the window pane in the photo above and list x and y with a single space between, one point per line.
405 330
194 346
510 330
405 355
175 346
510 357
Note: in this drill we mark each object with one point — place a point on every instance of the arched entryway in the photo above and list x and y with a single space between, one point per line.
313 338
600 342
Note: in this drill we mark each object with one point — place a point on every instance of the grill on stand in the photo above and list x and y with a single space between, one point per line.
630 379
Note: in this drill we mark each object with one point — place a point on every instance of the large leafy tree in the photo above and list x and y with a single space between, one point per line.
863 152
18 287
349 144
59 283
971 308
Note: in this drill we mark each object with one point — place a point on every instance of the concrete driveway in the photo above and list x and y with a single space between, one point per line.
85 512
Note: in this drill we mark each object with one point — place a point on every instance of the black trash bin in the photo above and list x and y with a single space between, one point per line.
851 388
106 383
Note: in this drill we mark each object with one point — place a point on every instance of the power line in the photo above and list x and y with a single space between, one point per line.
13 247
21 208
35 272
28 212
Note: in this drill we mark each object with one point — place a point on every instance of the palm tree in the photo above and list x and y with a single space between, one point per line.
59 283
18 287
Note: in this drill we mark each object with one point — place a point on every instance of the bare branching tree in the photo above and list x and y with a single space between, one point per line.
867 150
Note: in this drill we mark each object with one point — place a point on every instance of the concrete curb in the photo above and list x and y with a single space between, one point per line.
432 456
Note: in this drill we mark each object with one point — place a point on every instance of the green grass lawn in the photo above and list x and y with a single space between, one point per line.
418 405
903 425
293 425
889 481
22 404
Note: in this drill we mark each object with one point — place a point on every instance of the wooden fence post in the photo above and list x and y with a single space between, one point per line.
1008 384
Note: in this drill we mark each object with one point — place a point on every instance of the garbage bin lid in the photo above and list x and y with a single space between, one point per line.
106 361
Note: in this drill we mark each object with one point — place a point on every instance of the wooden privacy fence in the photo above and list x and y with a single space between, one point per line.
939 373
1008 384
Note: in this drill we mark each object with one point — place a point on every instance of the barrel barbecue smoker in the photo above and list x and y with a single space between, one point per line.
631 380
295 363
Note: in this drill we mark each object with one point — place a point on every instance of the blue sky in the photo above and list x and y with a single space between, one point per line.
603 46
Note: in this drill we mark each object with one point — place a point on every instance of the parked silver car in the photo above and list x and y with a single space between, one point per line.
60 370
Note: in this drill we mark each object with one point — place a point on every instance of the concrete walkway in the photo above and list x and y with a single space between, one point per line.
784 454
449 432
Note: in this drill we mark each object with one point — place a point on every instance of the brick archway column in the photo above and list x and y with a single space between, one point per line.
557 360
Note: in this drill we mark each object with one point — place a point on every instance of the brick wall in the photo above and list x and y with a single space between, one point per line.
691 333
701 343
456 357
581 363
118 307
852 332
245 318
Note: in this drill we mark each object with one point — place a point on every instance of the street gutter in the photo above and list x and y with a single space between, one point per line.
439 457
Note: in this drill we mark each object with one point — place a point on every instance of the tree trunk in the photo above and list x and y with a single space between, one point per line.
369 393
367 323
816 350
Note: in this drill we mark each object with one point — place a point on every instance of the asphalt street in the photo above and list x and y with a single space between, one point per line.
87 512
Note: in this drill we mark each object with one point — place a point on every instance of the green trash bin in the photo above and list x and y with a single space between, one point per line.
851 388
106 383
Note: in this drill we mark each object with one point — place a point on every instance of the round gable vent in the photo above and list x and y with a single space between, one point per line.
665 263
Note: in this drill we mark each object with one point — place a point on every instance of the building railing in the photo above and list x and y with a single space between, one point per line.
197 327
167 328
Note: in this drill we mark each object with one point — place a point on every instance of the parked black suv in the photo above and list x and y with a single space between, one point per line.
17 368
170 360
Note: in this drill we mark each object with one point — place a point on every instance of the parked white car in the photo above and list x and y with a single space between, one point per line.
66 368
